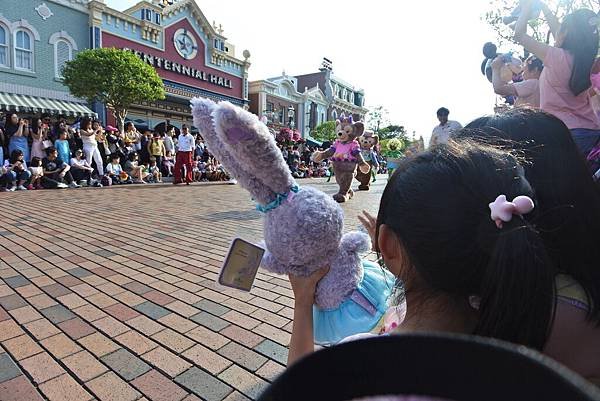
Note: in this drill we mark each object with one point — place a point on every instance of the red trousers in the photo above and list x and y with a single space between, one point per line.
183 159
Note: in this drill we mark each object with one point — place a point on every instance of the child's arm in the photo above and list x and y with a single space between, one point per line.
302 340
521 36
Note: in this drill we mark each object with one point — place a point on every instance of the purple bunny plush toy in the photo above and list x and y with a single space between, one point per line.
302 226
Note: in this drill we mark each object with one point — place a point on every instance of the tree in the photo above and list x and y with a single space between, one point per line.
392 131
377 117
539 29
324 132
115 77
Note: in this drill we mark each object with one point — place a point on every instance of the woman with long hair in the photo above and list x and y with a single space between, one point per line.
565 85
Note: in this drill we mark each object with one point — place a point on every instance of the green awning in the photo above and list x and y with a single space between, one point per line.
20 103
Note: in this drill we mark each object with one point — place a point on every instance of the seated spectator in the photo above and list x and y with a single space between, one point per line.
135 171
465 267
169 163
56 171
37 173
15 173
115 172
81 169
295 170
154 174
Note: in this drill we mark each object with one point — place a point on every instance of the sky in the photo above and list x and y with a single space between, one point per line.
411 57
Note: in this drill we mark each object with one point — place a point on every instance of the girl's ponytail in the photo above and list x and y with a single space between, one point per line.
517 288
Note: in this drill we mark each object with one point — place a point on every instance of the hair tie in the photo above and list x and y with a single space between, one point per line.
503 211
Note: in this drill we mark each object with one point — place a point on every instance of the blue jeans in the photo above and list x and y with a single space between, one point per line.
585 139
13 176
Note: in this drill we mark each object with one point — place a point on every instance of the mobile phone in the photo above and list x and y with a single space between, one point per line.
241 265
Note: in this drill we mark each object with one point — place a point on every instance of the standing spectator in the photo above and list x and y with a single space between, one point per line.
56 171
526 91
565 82
39 134
101 141
62 146
168 140
81 169
74 137
16 172
144 151
2 146
90 145
17 131
156 148
132 136
183 158
441 133
199 149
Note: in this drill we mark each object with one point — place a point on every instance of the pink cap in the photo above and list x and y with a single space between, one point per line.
111 128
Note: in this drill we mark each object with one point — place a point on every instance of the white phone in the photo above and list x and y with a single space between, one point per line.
241 265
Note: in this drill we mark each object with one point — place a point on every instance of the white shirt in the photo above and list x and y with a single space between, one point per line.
169 145
441 133
186 143
79 163
89 140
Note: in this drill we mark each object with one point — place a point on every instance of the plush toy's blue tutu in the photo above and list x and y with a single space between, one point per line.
360 313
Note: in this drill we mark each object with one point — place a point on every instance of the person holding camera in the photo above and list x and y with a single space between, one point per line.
15 172
17 132
527 91
565 84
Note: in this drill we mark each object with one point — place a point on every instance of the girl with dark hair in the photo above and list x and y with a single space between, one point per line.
15 172
38 135
453 227
89 132
565 82
568 217
17 131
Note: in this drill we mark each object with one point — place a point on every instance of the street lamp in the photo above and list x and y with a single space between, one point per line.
291 114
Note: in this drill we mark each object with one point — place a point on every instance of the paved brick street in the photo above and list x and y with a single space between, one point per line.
110 294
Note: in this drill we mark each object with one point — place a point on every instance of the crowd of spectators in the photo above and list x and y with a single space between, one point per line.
40 153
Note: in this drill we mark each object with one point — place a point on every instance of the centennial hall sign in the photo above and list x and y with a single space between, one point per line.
168 65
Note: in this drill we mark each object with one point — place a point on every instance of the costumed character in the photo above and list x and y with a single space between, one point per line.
511 70
393 154
367 141
345 156
302 226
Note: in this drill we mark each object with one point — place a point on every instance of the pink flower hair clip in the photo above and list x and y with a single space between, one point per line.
502 211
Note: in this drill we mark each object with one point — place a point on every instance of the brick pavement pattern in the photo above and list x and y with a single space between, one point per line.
110 294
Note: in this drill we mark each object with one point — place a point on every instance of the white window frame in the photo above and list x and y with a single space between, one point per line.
31 50
57 37
6 46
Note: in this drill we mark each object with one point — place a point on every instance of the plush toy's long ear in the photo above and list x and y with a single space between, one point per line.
253 146
202 110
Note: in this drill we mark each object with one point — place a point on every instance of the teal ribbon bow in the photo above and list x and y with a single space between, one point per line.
278 201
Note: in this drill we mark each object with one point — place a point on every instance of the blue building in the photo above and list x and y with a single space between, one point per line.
37 37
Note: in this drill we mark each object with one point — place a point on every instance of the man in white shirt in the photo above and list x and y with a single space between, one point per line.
526 91
442 132
184 158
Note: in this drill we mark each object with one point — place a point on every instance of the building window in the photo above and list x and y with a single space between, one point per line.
23 51
3 47
334 115
157 18
63 52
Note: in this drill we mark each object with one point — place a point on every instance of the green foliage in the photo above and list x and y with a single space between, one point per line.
392 131
324 132
115 77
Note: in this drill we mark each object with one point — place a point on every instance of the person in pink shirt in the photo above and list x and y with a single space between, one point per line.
565 86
